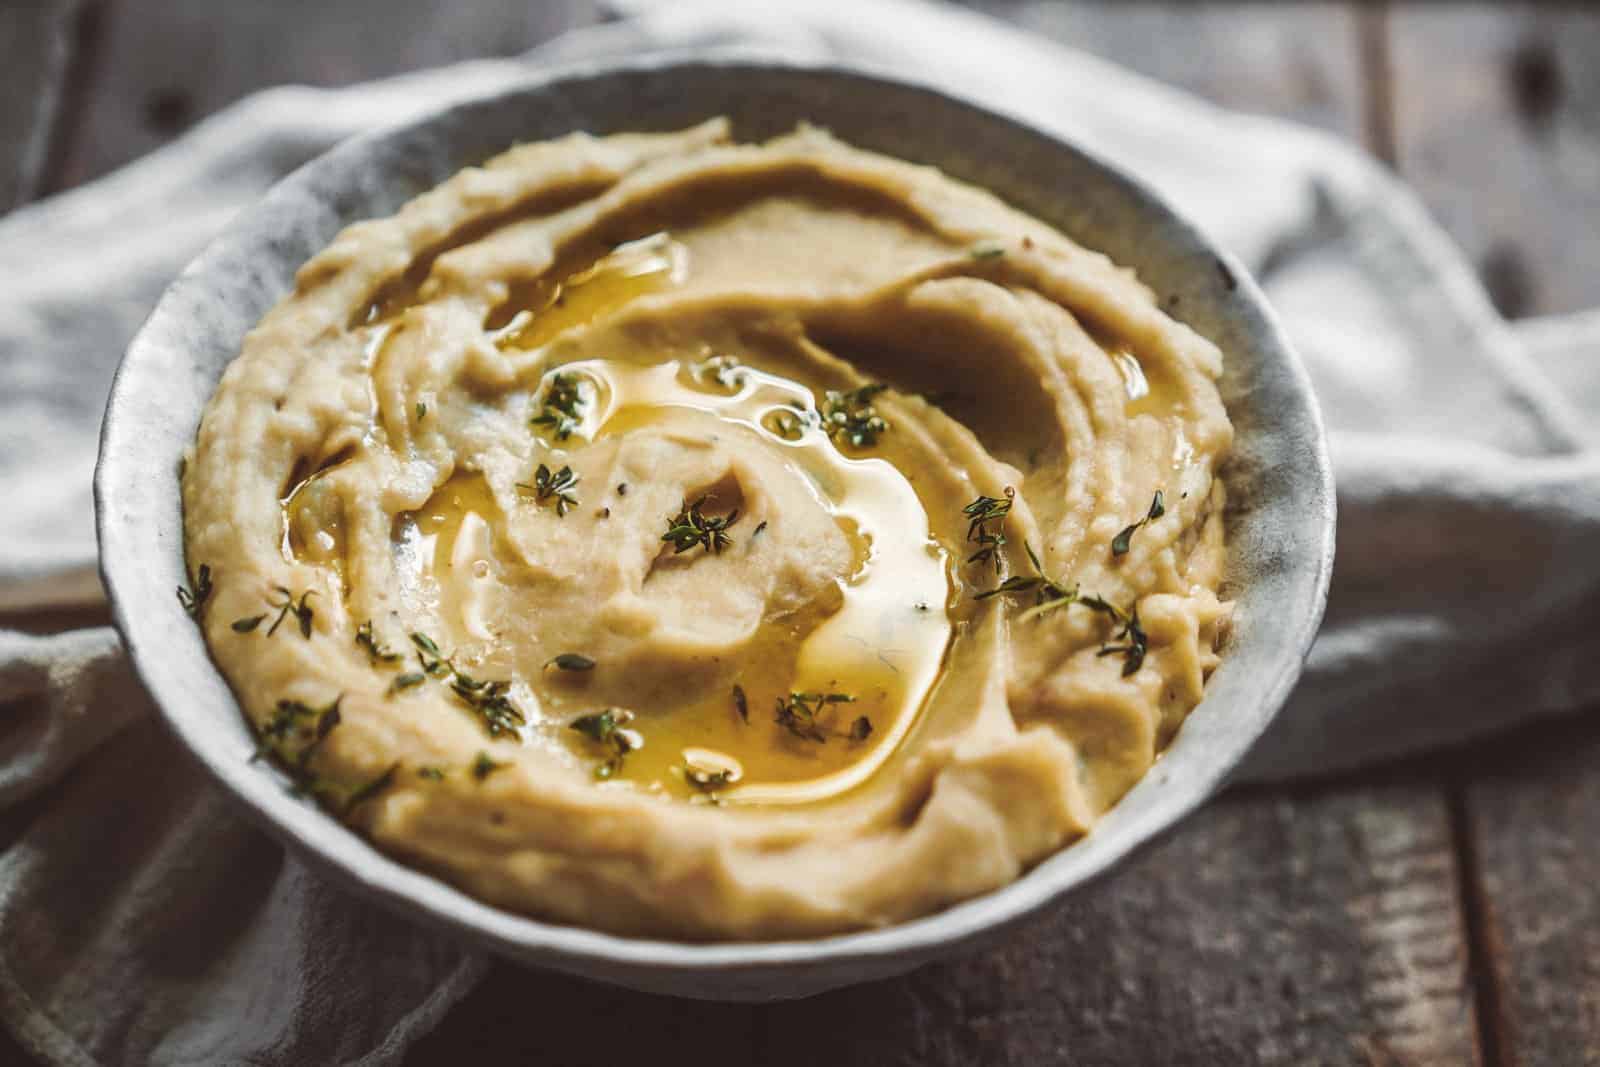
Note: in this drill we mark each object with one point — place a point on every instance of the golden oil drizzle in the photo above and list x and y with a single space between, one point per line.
539 309
884 646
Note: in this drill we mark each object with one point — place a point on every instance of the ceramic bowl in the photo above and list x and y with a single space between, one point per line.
1280 517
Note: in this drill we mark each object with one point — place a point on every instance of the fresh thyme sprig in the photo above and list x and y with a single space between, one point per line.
981 512
692 527
377 651
488 698
564 405
296 721
609 728
800 714
852 417
290 605
194 596
557 486
1135 643
1050 595
1121 543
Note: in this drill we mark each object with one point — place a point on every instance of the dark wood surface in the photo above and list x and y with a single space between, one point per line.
1439 912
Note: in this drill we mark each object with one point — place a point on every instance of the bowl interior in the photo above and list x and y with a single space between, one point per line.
1280 517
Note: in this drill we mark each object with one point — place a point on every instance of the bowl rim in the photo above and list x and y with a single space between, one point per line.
420 895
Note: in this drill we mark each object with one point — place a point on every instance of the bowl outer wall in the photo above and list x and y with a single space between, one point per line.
1280 514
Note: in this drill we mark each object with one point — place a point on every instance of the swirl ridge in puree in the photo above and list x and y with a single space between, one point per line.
712 540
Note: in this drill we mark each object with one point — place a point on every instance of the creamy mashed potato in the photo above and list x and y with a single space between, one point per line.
700 539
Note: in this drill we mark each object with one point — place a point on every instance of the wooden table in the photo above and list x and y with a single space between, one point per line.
1440 911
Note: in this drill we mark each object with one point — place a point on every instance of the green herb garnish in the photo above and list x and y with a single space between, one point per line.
244 626
608 728
691 527
406 681
563 406
422 411
432 774
371 789
1050 595
861 729
572 661
296 721
483 766
799 714
1120 543
376 651
740 704
433 661
981 512
300 609
990 250
194 596
489 700
1135 643
852 417
557 486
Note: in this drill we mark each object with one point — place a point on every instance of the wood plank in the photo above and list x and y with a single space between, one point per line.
1533 805
1317 927
1497 124
38 36
165 65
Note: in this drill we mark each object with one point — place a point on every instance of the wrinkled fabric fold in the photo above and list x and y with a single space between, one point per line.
1465 453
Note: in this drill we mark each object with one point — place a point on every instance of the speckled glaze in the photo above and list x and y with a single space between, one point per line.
1280 519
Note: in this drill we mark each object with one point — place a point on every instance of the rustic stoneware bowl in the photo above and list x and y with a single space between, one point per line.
1280 520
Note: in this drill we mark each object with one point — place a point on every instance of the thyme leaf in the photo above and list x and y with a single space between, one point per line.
609 728
244 626
691 527
1121 543
432 774
406 681
980 513
376 651
194 596
741 704
800 714
371 789
483 766
288 605
572 661
557 486
852 417
564 405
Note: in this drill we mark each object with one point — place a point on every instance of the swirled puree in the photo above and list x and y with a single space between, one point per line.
711 540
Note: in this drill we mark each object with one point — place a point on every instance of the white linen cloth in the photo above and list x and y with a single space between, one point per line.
142 922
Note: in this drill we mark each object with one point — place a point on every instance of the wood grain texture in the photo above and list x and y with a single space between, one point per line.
1497 124
35 45
165 64
1533 806
1319 928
